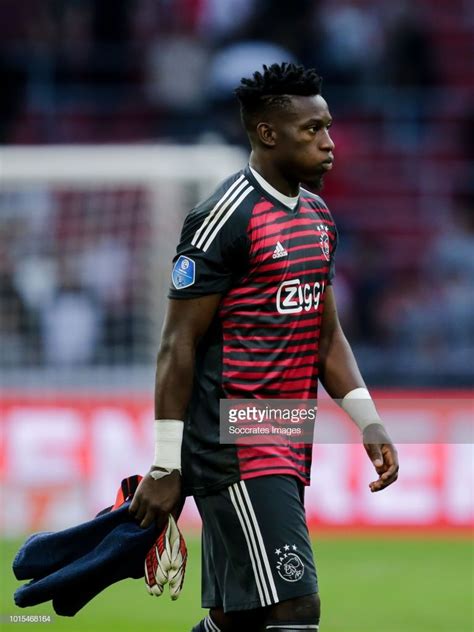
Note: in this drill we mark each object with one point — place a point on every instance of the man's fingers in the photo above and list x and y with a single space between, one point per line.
377 486
153 498
386 479
140 512
144 516
390 475
378 463
136 500
374 486
375 455
383 456
390 463
393 469
147 520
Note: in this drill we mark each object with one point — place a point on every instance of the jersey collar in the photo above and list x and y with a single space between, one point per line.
291 203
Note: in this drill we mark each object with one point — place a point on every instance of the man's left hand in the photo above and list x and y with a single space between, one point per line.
383 455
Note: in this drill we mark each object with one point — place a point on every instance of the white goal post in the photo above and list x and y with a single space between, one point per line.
59 164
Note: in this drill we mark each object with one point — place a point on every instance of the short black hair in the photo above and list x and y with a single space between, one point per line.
271 89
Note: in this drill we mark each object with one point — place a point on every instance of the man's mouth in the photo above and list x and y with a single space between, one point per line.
327 164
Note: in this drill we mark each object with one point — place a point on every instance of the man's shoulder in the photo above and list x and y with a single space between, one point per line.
232 191
229 207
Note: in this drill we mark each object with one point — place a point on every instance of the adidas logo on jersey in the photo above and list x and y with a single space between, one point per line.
279 251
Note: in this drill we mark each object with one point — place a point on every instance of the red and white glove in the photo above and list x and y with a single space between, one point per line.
166 561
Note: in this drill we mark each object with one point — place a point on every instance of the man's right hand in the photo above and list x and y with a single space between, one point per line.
154 499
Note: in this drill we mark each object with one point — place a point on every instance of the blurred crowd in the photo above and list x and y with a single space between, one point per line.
95 70
73 277
400 84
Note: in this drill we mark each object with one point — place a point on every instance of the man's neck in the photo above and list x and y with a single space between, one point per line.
268 171
290 202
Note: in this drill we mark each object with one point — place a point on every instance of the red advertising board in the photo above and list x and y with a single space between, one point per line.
62 457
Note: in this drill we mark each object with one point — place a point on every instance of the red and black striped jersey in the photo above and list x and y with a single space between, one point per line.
272 265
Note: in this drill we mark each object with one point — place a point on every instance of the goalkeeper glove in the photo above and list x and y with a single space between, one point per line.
166 561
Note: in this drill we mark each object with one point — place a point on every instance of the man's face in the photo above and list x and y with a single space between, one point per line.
303 147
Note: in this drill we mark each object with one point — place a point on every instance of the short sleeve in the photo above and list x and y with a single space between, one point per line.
209 258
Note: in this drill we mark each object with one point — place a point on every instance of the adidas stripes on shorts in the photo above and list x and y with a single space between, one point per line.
256 549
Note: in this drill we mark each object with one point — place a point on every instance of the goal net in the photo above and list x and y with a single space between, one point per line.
86 240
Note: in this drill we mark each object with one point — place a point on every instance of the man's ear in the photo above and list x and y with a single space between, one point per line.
266 134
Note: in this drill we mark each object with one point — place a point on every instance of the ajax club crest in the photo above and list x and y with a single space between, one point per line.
324 240
289 564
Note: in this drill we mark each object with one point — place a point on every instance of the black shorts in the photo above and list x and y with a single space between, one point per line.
256 549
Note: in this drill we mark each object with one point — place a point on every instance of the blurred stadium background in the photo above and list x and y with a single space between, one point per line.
115 118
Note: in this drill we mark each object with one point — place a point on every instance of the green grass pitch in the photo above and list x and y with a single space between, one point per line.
381 584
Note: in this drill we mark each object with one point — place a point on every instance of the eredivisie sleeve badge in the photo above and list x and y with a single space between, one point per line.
184 272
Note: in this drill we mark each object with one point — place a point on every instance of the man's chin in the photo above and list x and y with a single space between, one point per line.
315 183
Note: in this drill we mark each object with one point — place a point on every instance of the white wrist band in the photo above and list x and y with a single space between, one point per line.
168 440
361 408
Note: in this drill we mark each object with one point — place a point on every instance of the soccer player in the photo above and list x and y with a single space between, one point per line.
252 314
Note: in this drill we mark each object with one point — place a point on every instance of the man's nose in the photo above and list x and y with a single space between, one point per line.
327 142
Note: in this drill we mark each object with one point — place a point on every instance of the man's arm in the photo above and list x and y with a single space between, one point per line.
186 321
340 375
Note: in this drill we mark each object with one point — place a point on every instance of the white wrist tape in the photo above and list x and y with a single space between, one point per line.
361 408
168 440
